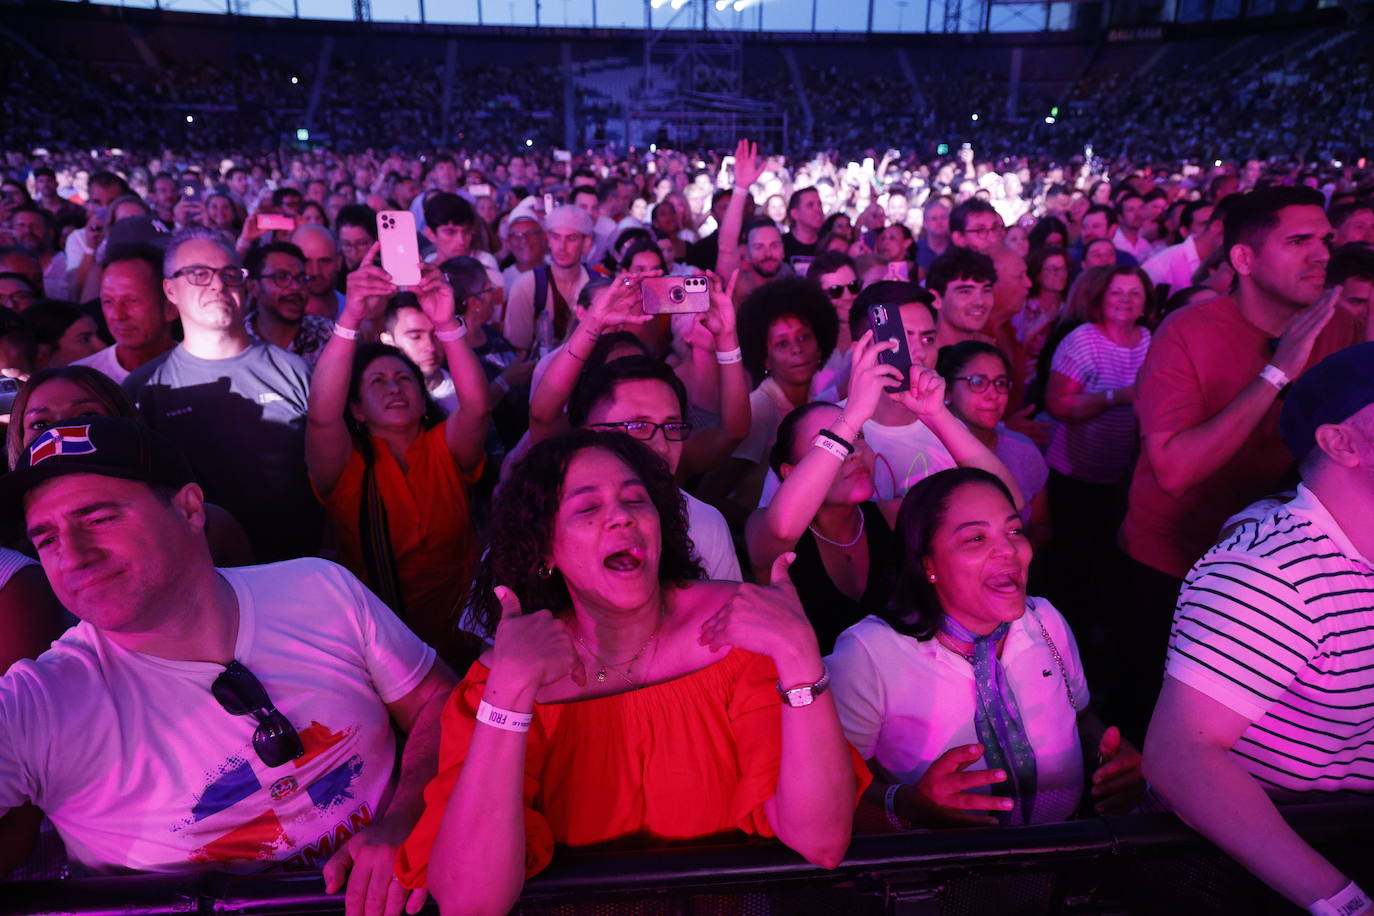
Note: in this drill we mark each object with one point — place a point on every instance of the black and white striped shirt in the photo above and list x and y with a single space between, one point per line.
1276 623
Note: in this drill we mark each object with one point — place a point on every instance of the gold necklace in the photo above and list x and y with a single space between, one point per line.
627 665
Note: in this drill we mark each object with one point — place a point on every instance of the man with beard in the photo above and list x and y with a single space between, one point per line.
764 254
32 227
234 405
279 286
1209 402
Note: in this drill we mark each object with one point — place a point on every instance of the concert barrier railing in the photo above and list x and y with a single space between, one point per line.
1141 864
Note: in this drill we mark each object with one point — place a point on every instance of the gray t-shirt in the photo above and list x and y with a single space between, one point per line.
241 423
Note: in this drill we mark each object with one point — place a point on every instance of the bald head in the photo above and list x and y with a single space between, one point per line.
322 261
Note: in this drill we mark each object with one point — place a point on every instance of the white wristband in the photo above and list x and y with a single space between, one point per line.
1275 376
1349 901
457 333
345 333
729 357
503 718
831 446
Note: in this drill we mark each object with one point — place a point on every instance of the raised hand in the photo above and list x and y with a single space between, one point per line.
533 649
925 397
748 166
1295 345
720 317
1117 782
868 379
942 797
436 296
767 620
367 290
618 304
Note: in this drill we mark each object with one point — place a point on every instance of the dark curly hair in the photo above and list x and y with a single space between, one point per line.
522 522
959 264
780 298
913 607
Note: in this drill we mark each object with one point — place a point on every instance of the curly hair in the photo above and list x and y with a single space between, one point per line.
784 297
913 606
522 525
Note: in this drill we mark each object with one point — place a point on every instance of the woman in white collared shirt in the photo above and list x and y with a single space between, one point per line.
967 697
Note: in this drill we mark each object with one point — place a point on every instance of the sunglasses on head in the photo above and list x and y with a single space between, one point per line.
835 292
240 693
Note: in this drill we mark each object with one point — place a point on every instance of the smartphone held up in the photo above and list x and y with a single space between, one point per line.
400 246
675 295
886 321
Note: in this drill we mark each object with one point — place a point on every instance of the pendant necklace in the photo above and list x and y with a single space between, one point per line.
627 665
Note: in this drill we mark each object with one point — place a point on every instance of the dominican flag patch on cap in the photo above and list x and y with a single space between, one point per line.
60 441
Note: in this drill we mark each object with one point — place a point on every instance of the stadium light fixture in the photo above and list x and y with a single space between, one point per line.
721 5
974 116
190 119
529 142
678 4
658 4
1049 119
294 80
741 5
302 134
1217 163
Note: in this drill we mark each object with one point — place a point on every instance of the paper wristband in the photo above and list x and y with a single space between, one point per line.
831 446
345 333
503 718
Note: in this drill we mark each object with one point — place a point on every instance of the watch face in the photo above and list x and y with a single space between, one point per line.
801 696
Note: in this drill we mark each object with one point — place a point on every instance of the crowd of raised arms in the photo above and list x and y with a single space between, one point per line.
966 491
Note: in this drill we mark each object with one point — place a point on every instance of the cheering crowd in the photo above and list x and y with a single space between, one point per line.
965 492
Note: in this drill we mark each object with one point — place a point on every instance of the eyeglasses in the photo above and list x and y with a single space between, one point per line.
854 286
522 236
240 693
644 430
200 275
977 383
282 279
356 246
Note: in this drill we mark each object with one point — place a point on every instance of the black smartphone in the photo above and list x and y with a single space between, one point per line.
886 321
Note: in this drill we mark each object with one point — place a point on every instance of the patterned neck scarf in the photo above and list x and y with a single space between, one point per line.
998 722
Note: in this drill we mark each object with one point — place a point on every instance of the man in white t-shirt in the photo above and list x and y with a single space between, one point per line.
408 329
571 233
197 718
1267 686
136 311
1174 266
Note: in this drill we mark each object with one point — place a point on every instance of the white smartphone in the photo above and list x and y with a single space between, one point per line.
400 246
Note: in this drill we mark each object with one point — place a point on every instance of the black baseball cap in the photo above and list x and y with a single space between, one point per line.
109 446
1332 391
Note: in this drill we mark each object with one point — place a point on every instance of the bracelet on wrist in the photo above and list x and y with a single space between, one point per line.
449 335
890 808
345 333
504 719
840 441
1275 376
729 357
1348 901
829 444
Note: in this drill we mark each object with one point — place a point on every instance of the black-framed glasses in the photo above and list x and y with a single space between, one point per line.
977 383
855 286
644 430
284 279
240 693
200 275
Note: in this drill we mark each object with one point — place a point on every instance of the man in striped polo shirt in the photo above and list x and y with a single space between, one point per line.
1268 691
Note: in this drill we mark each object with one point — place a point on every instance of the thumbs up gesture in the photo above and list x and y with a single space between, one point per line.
532 650
767 620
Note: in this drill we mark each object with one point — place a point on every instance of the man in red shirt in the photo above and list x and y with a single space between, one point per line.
1209 407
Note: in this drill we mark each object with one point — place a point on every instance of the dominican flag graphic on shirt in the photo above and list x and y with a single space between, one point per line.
59 441
298 814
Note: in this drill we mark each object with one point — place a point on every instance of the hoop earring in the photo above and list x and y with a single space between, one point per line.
544 572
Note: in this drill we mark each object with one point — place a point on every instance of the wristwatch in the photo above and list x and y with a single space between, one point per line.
806 694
